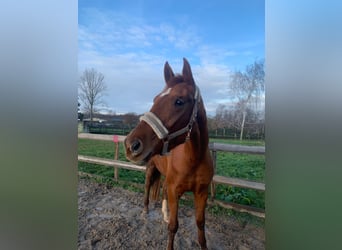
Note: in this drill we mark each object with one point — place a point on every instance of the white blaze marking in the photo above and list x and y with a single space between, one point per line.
166 92
164 210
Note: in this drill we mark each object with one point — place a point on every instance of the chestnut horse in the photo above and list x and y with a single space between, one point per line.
173 138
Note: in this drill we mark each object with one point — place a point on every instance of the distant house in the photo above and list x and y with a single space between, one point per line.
110 123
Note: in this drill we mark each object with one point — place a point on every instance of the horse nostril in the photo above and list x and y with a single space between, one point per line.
136 147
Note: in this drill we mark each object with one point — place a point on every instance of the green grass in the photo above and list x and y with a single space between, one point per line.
244 166
105 149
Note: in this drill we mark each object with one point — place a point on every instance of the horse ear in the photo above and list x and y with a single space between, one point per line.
187 74
168 73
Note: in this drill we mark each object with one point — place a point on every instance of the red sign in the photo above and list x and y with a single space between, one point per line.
116 138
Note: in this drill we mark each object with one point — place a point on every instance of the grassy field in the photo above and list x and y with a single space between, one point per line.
244 166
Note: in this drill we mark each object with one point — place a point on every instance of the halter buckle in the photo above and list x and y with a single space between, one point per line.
165 150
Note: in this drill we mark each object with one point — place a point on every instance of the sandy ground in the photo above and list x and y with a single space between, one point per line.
112 218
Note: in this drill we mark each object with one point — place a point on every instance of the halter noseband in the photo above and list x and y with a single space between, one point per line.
163 133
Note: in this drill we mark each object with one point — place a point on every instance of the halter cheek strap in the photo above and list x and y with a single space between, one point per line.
162 132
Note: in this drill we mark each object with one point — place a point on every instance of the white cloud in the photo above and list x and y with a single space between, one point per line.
134 79
213 79
209 54
131 55
184 38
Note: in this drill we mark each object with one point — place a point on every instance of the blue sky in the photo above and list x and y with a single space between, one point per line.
129 42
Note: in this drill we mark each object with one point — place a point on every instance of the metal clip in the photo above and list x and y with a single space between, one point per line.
189 133
165 148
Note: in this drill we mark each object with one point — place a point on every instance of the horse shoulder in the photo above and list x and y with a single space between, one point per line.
205 170
161 162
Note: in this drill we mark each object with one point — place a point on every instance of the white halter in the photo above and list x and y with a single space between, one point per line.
162 132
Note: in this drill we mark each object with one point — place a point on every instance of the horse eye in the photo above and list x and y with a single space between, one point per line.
179 102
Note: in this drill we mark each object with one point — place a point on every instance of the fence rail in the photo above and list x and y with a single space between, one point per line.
112 163
217 179
101 137
236 148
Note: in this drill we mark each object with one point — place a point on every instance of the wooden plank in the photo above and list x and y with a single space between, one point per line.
240 208
213 145
110 162
236 148
216 179
239 182
100 137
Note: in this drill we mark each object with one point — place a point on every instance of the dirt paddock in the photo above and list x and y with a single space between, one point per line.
112 218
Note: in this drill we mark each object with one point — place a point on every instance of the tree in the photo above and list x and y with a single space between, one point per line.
222 119
92 88
247 87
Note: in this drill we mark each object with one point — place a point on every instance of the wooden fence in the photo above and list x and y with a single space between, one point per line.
217 179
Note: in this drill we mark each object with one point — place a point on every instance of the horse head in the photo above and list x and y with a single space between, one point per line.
170 119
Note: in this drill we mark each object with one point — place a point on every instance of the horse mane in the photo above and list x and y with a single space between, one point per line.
203 128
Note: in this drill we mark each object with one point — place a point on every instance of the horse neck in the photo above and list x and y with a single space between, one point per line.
200 139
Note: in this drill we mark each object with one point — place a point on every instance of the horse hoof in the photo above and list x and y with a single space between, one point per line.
166 219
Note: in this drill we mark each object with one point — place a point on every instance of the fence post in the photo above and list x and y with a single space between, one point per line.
116 156
212 186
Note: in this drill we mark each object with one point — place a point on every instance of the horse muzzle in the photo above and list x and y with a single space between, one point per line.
138 150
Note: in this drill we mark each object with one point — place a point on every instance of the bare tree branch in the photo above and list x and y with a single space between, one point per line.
92 88
247 87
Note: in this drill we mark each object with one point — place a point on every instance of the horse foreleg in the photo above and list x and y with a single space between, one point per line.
200 203
173 221
148 177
